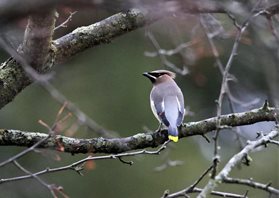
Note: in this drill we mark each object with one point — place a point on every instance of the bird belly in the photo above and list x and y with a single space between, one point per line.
154 111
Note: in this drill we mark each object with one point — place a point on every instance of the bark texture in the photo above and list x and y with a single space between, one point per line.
9 137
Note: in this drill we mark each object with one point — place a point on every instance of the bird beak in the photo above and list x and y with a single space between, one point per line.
152 78
146 74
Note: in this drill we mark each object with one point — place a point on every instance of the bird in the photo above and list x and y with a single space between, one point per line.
166 101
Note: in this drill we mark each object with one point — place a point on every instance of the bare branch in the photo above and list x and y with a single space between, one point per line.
197 190
51 132
224 84
99 33
235 160
222 194
78 166
191 188
64 24
162 54
251 183
170 52
42 182
138 141
24 152
37 38
218 62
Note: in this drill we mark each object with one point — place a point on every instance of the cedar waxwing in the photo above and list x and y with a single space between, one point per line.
166 100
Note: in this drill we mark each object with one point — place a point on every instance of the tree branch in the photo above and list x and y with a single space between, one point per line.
12 77
251 183
38 37
235 160
197 190
224 87
9 137
36 49
101 32
191 188
42 182
222 194
78 165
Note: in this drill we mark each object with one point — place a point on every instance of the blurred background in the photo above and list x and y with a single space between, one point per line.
106 82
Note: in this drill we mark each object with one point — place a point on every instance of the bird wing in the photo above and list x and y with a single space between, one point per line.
181 110
159 112
172 111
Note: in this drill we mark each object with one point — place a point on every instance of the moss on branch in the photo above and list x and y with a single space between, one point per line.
10 137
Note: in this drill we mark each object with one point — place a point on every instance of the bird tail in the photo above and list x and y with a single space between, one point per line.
173 133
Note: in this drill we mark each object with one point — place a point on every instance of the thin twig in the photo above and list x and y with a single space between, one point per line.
253 184
191 188
169 52
224 87
51 133
64 24
24 152
222 194
216 193
162 56
78 166
223 90
42 182
218 62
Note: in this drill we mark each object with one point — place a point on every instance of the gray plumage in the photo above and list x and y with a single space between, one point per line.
166 99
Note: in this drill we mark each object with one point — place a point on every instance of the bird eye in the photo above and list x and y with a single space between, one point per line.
155 74
161 74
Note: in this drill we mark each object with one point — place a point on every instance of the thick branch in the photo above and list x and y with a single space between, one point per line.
13 79
10 137
101 32
38 37
36 50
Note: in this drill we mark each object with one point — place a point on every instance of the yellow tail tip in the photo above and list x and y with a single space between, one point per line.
173 138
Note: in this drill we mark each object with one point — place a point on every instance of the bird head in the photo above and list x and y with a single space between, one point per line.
159 75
